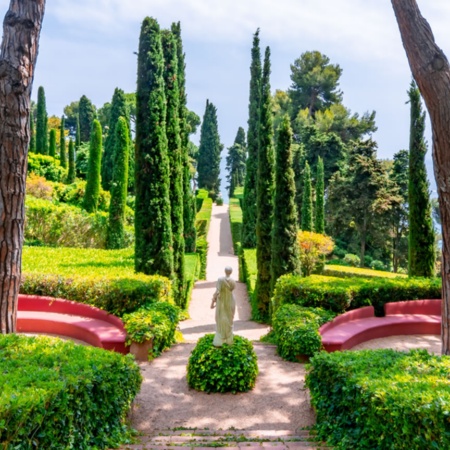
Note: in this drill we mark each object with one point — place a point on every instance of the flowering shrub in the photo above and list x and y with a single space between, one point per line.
313 246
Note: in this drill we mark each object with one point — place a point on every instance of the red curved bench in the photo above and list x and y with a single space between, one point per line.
360 325
38 314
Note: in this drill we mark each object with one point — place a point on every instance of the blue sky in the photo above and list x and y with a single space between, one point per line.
87 48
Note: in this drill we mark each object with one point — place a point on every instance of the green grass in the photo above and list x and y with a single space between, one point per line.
346 271
236 223
239 192
250 269
191 266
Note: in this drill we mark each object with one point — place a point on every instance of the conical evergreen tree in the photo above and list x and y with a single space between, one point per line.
189 212
78 133
175 161
32 147
119 186
421 233
208 164
41 123
90 200
237 154
307 201
320 199
153 228
71 173
251 174
62 144
52 143
285 251
264 200
86 115
118 109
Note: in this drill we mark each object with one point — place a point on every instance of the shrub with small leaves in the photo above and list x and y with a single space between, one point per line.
230 368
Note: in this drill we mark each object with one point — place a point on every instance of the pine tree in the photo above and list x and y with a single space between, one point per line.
119 108
175 160
32 147
52 143
285 251
236 162
41 124
62 144
320 200
208 163
189 212
90 200
71 173
421 234
307 201
264 200
78 133
153 228
119 186
251 174
86 115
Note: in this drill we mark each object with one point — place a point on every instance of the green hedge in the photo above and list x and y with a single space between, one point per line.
202 221
341 294
297 330
102 278
235 213
58 395
381 399
249 274
192 273
46 166
350 272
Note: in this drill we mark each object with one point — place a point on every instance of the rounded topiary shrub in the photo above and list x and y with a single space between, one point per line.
230 368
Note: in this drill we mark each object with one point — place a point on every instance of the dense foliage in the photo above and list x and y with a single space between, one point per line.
319 217
56 394
86 116
202 221
62 143
41 123
307 201
90 202
236 158
230 368
71 174
52 143
313 249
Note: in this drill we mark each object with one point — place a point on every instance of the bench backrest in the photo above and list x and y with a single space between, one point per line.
360 313
427 307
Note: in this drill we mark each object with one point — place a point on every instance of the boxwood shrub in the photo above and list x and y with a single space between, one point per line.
381 399
297 330
58 395
230 368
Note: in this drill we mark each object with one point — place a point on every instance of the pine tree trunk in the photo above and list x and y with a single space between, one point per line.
21 30
431 71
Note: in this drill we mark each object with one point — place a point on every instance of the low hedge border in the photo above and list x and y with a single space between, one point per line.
249 274
202 221
58 395
381 399
351 272
192 272
297 330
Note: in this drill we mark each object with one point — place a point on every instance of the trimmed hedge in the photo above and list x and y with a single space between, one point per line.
350 272
235 213
297 330
202 221
341 294
381 399
192 271
249 273
58 395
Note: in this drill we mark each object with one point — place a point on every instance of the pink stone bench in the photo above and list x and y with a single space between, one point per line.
38 314
360 325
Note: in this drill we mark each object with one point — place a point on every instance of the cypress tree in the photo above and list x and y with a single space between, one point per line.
118 109
421 233
78 133
249 202
119 186
264 200
90 200
71 173
52 143
189 212
208 163
285 251
175 160
320 200
86 115
307 201
32 147
153 228
41 123
236 162
62 144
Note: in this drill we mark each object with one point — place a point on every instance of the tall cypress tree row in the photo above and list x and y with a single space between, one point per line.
208 162
86 115
71 173
153 228
251 174
90 200
62 144
285 251
175 160
421 233
264 200
52 143
119 186
118 109
78 133
32 147
236 158
307 201
190 232
41 123
320 199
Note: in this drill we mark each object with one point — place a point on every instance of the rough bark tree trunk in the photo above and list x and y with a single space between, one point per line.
18 53
431 71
